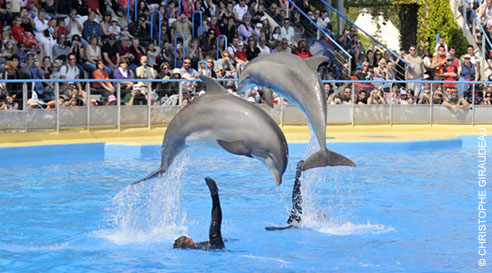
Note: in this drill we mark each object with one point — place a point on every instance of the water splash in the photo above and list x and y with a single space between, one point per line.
332 215
149 211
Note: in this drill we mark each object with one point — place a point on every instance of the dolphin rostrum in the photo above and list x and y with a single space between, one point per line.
295 79
237 125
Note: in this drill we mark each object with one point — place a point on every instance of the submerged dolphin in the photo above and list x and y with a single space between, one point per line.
295 79
235 124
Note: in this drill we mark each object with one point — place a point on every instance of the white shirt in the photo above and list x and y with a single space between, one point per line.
264 50
69 72
74 28
240 11
288 34
40 25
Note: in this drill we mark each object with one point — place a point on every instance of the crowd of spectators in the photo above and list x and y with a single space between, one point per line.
93 39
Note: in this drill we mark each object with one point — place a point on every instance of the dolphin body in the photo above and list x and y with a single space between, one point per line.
235 124
295 79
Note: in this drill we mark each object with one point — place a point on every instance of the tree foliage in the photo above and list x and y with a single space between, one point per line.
436 17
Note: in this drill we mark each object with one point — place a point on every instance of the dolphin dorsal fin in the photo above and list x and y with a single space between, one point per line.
213 86
314 62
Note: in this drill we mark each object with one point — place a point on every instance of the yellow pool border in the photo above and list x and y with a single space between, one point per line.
293 133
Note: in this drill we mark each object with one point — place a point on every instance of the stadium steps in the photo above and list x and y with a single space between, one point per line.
469 37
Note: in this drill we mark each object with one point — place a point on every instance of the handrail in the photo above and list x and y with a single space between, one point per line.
179 8
367 34
218 42
128 11
175 47
478 23
152 25
320 29
136 2
193 21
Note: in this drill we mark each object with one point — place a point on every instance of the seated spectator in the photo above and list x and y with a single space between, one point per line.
362 97
92 28
287 32
240 10
144 71
171 90
153 55
137 51
225 63
425 97
164 74
252 51
121 73
140 30
276 35
240 55
182 25
60 49
453 101
187 69
194 52
75 24
376 97
405 97
92 53
246 29
61 28
487 99
302 50
228 28
70 71
208 43
104 88
110 54
277 47
34 71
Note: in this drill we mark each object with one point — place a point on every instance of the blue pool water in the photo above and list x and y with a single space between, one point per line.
406 207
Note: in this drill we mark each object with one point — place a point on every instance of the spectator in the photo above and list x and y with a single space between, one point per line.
106 24
405 97
252 50
92 28
182 25
440 42
232 48
188 8
110 54
453 101
439 63
451 73
468 72
194 52
415 69
487 99
208 43
262 45
60 49
225 63
140 30
246 29
425 98
187 69
92 53
239 10
123 73
75 25
287 32
209 8
376 97
302 50
228 28
437 97
103 88
240 55
70 71
137 52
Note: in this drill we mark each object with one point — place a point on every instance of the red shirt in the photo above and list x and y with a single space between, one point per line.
17 32
450 69
240 54
93 4
306 54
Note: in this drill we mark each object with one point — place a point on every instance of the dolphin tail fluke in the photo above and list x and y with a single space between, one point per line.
325 158
153 174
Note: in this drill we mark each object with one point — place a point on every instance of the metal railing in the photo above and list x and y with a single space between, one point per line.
176 47
151 113
339 47
152 25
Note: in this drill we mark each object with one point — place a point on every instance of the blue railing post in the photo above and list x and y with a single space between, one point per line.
136 2
193 22
218 43
176 43
179 8
128 11
152 25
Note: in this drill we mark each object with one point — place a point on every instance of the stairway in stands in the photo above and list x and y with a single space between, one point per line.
465 28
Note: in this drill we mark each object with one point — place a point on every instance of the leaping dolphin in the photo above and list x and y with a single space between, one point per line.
295 79
237 125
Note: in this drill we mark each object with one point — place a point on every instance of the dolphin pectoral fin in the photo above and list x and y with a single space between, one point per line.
153 174
268 96
314 62
213 87
325 158
235 147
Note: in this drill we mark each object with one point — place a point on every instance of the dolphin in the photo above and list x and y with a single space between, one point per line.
295 79
235 124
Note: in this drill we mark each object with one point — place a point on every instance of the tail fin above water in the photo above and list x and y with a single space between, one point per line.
153 174
324 158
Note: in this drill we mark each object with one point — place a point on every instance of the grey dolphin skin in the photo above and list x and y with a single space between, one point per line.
295 79
237 125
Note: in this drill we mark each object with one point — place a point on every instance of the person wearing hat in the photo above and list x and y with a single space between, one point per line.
468 72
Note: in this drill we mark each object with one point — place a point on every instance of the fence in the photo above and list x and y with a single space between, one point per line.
283 113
